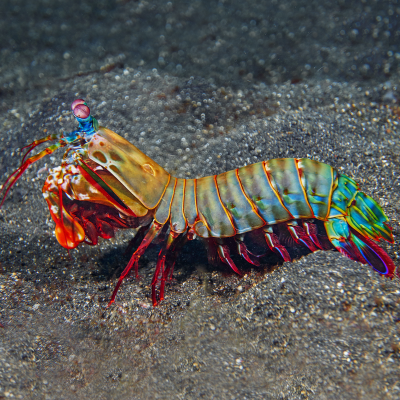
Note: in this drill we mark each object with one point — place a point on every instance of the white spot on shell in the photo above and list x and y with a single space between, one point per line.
74 170
92 189
54 209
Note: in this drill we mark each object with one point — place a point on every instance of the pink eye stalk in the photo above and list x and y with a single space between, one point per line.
81 111
77 102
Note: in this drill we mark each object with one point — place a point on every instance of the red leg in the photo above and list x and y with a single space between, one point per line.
300 236
224 255
140 234
134 261
169 270
164 278
173 254
312 232
274 244
161 268
246 254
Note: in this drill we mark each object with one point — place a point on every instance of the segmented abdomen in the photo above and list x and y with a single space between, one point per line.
248 198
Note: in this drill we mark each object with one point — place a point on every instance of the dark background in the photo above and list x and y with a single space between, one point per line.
43 42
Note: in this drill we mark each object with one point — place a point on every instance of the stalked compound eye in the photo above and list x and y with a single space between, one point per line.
81 111
77 102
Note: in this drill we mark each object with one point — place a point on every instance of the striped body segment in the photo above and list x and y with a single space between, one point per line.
248 198
278 195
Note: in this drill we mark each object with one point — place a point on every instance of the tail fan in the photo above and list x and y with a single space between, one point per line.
353 245
354 219
366 216
373 254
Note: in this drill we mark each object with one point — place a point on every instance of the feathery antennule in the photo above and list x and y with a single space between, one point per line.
36 143
10 182
87 124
